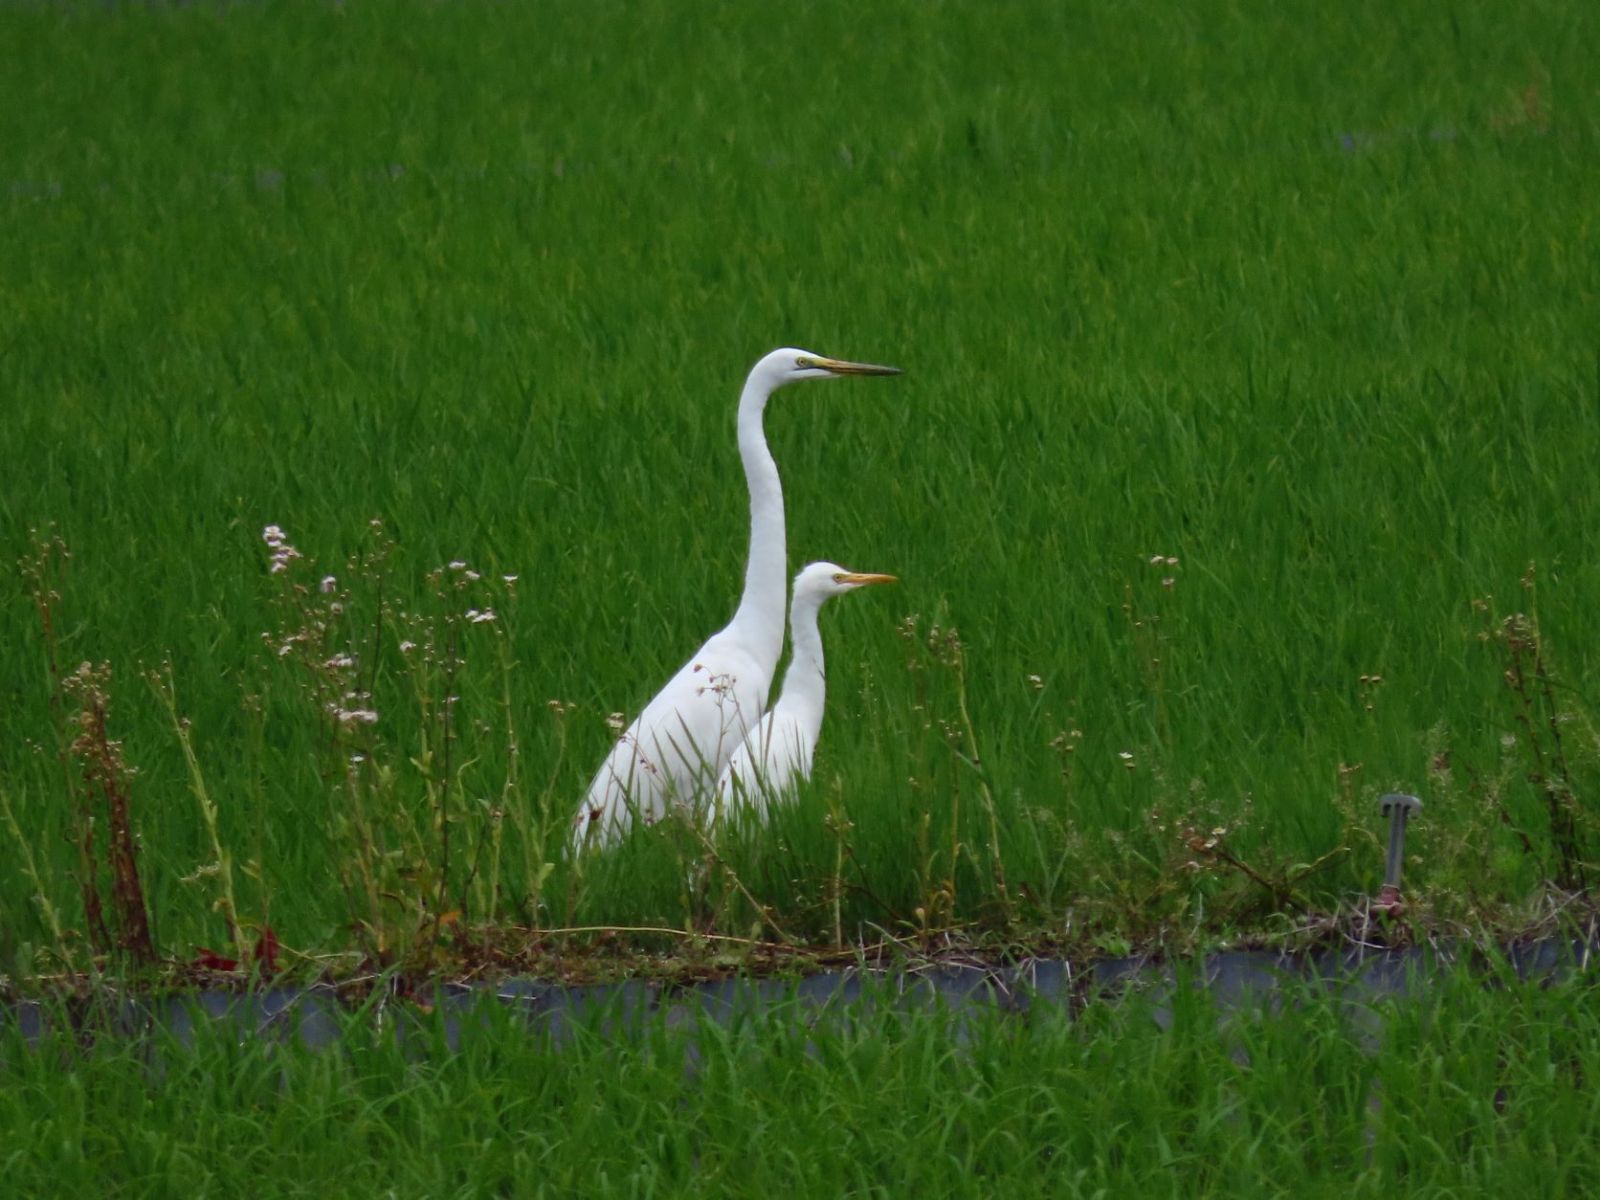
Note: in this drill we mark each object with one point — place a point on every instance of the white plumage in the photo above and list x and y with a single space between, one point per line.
777 753
677 747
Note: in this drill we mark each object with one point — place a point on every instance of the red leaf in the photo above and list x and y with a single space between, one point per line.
210 960
267 950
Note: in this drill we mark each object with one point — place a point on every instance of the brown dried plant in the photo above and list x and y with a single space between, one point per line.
95 772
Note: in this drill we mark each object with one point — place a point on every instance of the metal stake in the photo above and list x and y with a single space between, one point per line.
1397 806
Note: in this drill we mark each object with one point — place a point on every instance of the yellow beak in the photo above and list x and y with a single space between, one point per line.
863 577
840 366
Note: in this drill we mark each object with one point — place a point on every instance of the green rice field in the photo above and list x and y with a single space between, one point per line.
369 374
1246 449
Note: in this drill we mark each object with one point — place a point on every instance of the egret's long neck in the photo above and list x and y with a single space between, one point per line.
766 575
804 686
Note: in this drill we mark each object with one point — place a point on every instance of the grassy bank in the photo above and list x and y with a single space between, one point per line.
1467 1092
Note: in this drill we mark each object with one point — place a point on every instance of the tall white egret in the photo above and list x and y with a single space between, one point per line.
677 747
776 755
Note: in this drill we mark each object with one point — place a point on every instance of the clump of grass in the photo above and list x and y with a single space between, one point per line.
220 867
1540 718
940 711
54 922
414 838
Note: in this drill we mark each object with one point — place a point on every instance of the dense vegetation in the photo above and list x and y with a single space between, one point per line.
1247 443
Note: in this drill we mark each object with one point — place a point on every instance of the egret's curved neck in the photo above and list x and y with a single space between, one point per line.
766 574
804 685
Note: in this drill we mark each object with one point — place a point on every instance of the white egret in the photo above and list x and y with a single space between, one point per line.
677 747
777 754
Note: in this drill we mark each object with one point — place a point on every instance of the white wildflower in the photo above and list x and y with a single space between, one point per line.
282 552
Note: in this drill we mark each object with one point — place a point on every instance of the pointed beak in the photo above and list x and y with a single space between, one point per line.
840 366
862 578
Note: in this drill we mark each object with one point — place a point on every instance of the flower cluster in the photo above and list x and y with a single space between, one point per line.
282 552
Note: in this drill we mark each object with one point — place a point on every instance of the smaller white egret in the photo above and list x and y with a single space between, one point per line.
777 753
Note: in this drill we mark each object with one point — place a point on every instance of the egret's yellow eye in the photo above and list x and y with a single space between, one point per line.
803 361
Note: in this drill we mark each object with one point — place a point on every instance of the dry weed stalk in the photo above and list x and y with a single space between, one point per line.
95 773
107 775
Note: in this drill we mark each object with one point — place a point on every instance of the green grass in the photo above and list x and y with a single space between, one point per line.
1468 1092
1306 301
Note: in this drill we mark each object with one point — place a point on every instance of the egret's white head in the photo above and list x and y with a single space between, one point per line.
790 365
823 580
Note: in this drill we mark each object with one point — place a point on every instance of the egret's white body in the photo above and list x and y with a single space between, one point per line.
777 753
677 747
